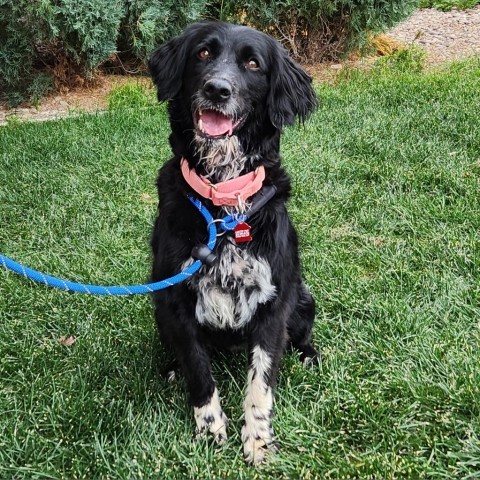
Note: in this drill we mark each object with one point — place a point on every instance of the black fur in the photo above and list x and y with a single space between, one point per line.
267 98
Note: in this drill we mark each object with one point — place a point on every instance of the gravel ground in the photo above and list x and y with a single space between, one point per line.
445 36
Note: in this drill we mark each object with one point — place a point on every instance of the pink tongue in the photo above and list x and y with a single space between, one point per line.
215 123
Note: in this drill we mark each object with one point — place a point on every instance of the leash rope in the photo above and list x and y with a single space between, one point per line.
51 281
201 252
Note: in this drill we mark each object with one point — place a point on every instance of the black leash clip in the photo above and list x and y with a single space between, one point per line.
204 254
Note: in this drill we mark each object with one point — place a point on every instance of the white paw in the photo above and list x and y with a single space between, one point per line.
257 438
210 418
307 361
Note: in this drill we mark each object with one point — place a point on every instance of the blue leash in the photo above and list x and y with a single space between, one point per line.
227 223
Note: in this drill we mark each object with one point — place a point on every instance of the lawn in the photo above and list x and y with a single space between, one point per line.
386 179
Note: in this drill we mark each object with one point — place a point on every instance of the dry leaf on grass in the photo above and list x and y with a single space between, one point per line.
67 341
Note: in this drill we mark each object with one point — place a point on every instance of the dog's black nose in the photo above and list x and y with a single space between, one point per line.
217 90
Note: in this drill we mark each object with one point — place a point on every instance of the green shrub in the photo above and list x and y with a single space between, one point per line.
318 29
16 46
148 23
61 41
88 29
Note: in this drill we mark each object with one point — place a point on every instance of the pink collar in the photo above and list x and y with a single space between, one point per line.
225 193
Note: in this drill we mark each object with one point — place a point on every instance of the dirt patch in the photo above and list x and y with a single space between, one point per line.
77 100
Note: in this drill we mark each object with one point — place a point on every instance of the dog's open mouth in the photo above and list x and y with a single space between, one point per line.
214 124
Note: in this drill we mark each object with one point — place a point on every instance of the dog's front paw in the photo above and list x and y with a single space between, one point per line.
309 356
257 438
210 418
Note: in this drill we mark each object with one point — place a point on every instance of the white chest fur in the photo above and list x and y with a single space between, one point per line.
229 292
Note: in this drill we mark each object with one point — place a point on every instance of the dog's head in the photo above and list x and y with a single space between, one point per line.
230 79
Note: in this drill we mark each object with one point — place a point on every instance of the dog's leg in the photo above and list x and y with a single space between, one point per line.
257 433
300 326
194 361
204 397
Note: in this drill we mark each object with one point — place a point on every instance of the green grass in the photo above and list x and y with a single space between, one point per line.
447 5
131 95
386 181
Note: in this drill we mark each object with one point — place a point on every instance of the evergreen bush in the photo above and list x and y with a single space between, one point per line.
148 23
64 39
48 42
314 30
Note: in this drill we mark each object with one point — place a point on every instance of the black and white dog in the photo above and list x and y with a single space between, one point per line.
230 91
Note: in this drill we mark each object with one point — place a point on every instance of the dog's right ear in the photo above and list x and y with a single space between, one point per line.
166 66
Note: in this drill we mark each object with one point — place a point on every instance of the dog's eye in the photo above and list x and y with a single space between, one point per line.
252 64
203 54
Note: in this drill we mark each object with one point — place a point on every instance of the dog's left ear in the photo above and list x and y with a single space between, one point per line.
291 93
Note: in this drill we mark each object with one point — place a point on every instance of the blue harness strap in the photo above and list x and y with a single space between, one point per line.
118 290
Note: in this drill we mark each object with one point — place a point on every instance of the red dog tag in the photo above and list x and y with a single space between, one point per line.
242 232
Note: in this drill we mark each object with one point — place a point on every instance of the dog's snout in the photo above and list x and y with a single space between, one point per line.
217 90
